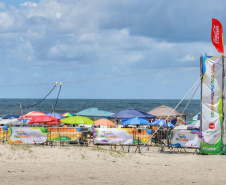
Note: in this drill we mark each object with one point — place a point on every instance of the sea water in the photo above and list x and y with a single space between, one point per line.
8 106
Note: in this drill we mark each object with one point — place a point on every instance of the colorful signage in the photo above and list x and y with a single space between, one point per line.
211 105
185 138
1 133
27 135
122 136
64 134
141 136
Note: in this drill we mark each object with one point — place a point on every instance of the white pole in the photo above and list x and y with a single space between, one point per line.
172 112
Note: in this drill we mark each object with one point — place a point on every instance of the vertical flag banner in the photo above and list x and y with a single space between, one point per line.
217 36
211 105
224 125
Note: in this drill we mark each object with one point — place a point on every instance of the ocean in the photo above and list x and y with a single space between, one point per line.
8 106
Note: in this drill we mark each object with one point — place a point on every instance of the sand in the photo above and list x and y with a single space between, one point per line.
22 164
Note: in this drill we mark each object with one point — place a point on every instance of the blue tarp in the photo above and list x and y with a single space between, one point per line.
94 112
136 121
56 115
161 122
10 116
132 113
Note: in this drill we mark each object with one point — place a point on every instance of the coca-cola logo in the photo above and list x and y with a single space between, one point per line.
211 126
216 31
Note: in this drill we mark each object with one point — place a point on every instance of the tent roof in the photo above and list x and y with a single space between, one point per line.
164 111
132 113
13 121
10 116
94 112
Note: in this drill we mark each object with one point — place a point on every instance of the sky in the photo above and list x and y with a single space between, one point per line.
104 49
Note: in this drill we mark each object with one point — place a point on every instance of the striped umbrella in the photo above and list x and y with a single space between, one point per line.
67 114
32 114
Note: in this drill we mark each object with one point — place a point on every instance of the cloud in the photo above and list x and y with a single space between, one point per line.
2 6
62 40
29 4
187 58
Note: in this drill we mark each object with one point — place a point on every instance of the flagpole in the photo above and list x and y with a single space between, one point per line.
222 126
201 73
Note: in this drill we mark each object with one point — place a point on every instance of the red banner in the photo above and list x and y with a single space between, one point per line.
217 36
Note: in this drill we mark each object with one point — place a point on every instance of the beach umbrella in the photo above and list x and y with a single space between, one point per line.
45 119
191 121
131 113
194 126
136 121
56 115
77 120
196 117
161 122
164 111
32 114
94 112
10 116
67 114
104 122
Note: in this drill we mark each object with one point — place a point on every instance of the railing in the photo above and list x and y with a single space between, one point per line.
3 134
66 136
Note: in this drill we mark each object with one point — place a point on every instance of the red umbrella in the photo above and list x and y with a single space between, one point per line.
45 119
33 114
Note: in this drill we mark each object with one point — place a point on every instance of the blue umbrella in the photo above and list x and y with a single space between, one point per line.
161 122
56 115
24 121
10 116
136 121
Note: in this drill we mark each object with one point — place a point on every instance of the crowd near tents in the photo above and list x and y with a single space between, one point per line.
96 117
127 127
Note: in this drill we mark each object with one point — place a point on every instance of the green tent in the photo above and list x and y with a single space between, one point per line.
94 112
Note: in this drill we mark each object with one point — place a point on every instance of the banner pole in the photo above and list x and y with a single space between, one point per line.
222 126
201 73
21 110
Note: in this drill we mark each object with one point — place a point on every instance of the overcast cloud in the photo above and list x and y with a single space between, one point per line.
70 40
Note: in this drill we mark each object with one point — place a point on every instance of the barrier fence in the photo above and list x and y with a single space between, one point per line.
27 135
67 136
129 137
103 136
185 139
2 135
43 135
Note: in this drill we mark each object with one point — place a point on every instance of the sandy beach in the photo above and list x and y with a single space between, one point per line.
22 164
